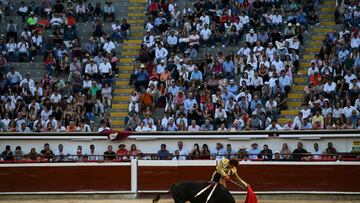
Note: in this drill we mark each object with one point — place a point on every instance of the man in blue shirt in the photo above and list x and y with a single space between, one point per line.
254 151
232 87
142 78
190 102
196 75
228 66
285 82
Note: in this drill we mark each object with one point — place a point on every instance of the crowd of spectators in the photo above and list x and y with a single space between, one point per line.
244 89
78 85
218 152
332 96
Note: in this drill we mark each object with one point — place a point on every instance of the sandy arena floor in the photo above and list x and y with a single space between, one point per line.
162 201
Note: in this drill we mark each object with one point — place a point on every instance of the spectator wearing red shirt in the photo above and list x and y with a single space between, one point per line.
121 153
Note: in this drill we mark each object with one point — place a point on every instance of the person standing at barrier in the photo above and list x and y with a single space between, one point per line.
225 170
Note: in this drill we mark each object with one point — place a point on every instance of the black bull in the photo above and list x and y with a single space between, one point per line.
186 191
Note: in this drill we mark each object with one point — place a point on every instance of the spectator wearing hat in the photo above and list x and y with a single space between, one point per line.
142 78
251 38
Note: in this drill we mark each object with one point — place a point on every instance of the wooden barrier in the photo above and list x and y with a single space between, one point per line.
65 177
158 176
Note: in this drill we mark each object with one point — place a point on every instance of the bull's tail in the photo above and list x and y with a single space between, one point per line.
157 197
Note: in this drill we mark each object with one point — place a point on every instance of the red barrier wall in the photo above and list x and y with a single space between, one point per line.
340 178
65 178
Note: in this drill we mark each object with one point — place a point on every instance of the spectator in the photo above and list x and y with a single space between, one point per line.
254 152
183 152
299 152
219 152
163 153
109 154
266 153
316 152
7 155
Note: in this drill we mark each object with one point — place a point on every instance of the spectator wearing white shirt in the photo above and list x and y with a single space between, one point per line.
109 45
22 49
172 41
220 116
28 81
251 37
312 69
105 68
329 89
23 11
205 18
149 39
160 53
274 126
349 77
55 97
279 65
205 35
193 126
183 152
293 43
13 77
80 11
348 110
109 11
244 20
276 20
37 40
257 82
218 153
91 68
150 127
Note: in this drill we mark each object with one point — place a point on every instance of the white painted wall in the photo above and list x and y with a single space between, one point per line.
152 145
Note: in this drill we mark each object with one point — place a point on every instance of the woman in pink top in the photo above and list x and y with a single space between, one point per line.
217 68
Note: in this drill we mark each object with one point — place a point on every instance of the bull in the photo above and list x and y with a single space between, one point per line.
189 191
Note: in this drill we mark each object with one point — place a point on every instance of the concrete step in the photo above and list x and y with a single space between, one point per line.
131 47
139 22
294 104
328 16
323 30
137 1
137 27
295 96
302 72
136 14
318 37
133 42
289 112
124 75
117 122
121 98
123 90
126 60
297 88
136 8
330 3
136 34
327 9
122 83
308 57
283 121
118 114
126 68
129 53
316 50
328 23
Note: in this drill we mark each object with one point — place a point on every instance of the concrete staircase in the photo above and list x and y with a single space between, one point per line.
311 47
129 50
